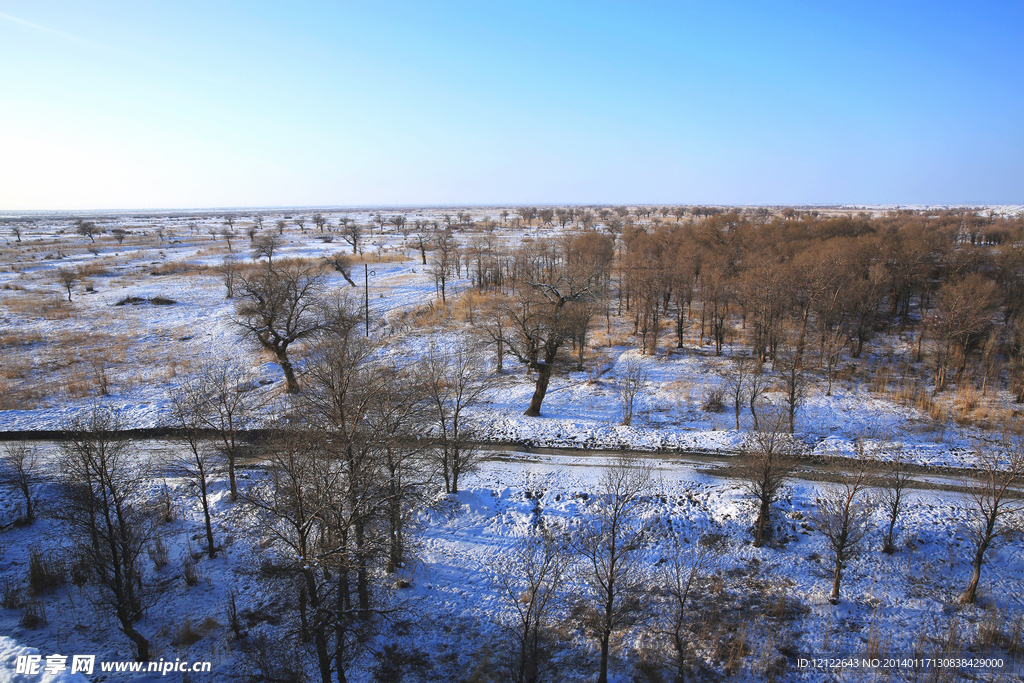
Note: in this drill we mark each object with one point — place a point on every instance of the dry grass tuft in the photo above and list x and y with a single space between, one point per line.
33 615
46 570
96 268
188 635
16 395
10 339
432 316
12 595
967 406
469 305
180 268
383 257
42 305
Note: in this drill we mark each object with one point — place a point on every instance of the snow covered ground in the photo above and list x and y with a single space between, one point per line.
56 354
893 605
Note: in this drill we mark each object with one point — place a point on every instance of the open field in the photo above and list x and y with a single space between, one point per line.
828 329
60 354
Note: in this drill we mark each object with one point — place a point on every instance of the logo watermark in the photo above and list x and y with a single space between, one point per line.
86 664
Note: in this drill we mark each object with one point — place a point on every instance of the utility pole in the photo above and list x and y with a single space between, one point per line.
366 294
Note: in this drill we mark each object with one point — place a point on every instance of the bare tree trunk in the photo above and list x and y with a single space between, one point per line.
362 573
210 547
543 376
303 615
603 675
341 604
763 515
140 642
289 374
231 475
319 628
971 594
837 576
680 321
888 546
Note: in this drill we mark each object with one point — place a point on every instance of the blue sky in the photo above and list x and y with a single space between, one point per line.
141 104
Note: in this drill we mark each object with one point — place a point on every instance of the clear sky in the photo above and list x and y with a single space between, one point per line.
144 104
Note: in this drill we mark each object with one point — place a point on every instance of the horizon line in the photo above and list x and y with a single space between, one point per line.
392 207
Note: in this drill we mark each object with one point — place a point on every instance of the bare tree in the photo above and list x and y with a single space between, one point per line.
737 382
407 228
757 385
681 576
268 245
843 515
892 496
67 279
833 341
339 400
761 290
962 319
399 222
527 213
281 225
195 464
647 279
228 235
294 506
716 285
17 230
21 471
280 305
395 413
443 261
106 515
422 241
343 264
301 222
319 221
257 219
87 229
631 380
492 331
530 575
535 323
609 541
225 393
766 465
229 270
230 220
995 513
351 232
453 382
578 318
795 384
119 234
